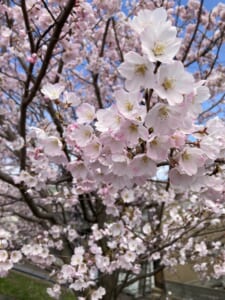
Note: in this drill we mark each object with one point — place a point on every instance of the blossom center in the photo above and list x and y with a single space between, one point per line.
89 116
133 128
96 146
87 133
186 156
55 142
140 69
118 120
159 49
168 84
154 142
163 112
145 159
129 106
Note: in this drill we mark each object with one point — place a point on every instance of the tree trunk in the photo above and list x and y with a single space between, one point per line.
109 282
159 277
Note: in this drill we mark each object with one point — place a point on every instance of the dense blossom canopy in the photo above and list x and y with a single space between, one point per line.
98 99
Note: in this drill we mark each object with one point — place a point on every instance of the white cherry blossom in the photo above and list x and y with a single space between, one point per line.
52 91
160 43
149 19
137 70
173 82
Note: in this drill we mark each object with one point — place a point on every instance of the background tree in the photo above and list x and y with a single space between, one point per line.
93 106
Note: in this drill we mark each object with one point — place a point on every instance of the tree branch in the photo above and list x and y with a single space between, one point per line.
27 100
194 33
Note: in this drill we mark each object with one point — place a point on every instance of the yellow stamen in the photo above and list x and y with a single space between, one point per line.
154 142
89 116
133 128
87 133
163 112
186 156
129 106
168 84
141 69
118 119
145 159
159 49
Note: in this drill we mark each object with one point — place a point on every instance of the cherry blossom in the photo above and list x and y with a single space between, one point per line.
190 160
163 119
52 91
55 291
128 106
173 82
149 18
160 43
137 70
85 113
52 146
112 141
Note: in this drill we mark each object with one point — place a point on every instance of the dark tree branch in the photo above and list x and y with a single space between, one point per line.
129 282
194 33
101 53
6 178
49 11
97 90
117 40
35 210
61 20
204 52
27 25
29 219
212 106
215 59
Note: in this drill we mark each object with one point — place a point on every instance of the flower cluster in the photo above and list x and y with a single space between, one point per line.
107 160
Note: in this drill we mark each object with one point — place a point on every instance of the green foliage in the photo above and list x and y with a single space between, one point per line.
21 287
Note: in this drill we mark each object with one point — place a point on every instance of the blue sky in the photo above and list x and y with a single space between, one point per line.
212 3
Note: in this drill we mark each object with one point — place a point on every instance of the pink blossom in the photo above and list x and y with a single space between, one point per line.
3 255
131 132
120 164
177 140
142 165
201 249
82 135
71 98
33 58
157 147
55 291
128 195
149 18
108 119
180 181
173 82
160 43
219 270
137 70
15 256
52 91
201 93
162 119
190 160
98 294
93 149
116 229
128 104
52 145
147 229
78 169
85 113
76 259
5 267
